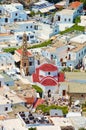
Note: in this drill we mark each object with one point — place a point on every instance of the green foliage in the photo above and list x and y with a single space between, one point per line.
84 105
74 27
32 13
32 128
10 50
38 89
46 109
66 69
84 2
43 44
82 129
77 20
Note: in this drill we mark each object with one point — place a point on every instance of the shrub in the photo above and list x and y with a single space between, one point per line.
38 89
32 128
66 69
74 27
10 50
43 44
77 20
45 109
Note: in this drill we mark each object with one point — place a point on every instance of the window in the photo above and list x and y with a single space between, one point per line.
64 92
24 64
6 108
26 27
79 54
69 19
82 95
36 27
61 60
65 19
6 20
38 62
31 26
68 49
0 11
51 57
20 38
0 83
27 38
58 18
48 73
31 58
69 57
31 36
16 14
30 63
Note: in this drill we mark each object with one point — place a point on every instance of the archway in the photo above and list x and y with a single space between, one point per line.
49 93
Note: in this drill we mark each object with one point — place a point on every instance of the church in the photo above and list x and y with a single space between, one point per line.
48 77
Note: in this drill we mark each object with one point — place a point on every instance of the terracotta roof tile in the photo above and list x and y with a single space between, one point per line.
48 67
75 4
20 52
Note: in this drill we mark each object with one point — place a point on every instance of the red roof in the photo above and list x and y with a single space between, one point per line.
75 4
30 100
49 81
39 102
48 67
20 52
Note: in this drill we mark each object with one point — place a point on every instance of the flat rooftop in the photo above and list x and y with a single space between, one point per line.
4 100
41 2
62 3
6 77
75 75
79 122
14 98
66 12
34 119
79 39
12 124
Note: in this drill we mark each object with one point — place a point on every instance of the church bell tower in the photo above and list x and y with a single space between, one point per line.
24 65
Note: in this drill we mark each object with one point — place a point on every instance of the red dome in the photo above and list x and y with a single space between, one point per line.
48 81
48 67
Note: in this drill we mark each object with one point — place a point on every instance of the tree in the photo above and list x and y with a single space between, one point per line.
82 129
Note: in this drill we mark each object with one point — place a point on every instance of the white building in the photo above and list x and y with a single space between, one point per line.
6 61
67 55
11 13
31 38
68 15
5 105
26 26
65 16
84 62
83 21
1 81
48 77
